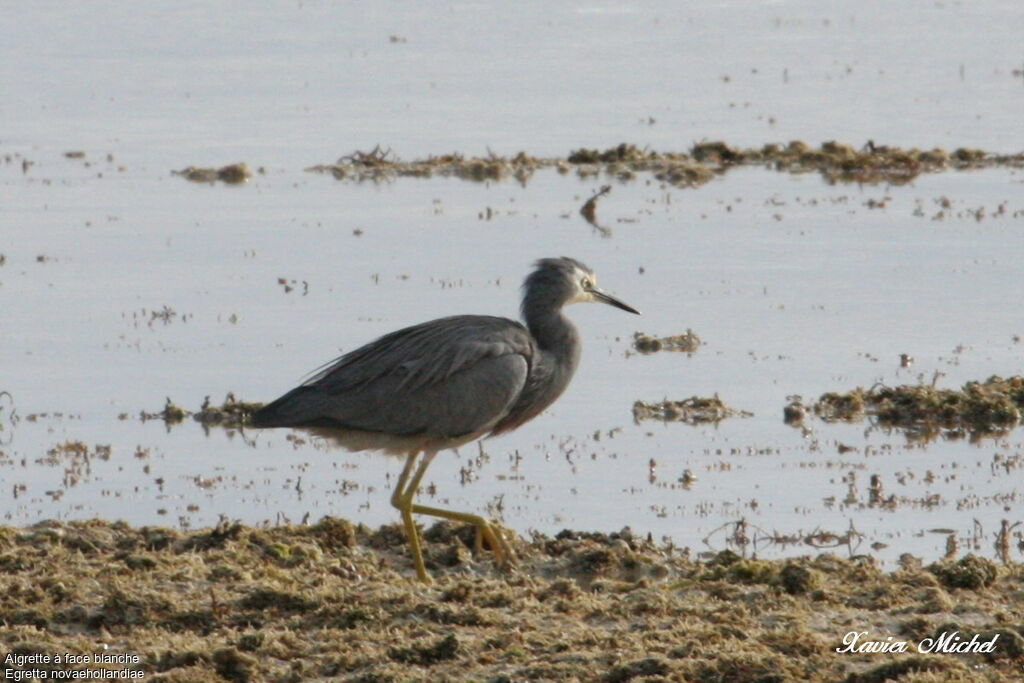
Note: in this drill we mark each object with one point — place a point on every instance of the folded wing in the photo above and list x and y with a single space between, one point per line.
445 378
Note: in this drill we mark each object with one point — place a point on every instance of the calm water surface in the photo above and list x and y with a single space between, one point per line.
796 286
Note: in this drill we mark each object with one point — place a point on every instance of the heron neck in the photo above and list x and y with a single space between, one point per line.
554 334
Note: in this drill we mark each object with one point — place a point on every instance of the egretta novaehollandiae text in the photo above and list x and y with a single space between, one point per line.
445 383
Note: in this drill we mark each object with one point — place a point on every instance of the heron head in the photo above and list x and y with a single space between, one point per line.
571 282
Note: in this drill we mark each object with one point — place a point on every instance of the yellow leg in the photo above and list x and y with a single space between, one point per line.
502 551
400 486
402 497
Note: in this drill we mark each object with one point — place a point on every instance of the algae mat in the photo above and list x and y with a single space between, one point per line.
337 601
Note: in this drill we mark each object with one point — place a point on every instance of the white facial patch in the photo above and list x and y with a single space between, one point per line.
581 295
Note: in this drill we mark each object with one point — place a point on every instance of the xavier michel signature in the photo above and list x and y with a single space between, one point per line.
947 641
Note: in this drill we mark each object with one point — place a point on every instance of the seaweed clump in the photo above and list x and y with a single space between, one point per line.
232 174
971 572
835 161
621 153
687 343
994 402
231 413
834 406
795 411
626 160
693 410
988 407
171 414
381 164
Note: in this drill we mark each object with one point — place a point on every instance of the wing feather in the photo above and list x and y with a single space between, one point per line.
446 378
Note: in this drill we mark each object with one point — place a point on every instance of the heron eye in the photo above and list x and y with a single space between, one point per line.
585 283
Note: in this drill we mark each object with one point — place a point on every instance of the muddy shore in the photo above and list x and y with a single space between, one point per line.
337 601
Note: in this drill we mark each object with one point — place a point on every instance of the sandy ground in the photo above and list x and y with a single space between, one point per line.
337 601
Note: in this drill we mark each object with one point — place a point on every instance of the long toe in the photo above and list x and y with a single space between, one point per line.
510 555
503 554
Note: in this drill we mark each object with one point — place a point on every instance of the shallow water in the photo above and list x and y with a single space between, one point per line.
796 286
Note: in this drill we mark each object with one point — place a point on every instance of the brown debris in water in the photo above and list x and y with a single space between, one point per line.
687 343
171 414
232 174
289 603
980 408
231 413
693 410
380 165
795 411
835 161
621 153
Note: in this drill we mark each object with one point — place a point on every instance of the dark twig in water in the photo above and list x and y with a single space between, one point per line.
12 413
10 400
1002 544
375 157
589 209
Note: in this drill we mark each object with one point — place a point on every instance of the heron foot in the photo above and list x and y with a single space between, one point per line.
402 498
485 531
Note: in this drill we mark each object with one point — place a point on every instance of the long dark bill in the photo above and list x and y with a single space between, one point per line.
606 298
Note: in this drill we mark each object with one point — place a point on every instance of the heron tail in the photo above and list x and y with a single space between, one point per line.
290 410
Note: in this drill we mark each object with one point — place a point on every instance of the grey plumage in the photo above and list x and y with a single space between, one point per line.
411 383
441 381
449 381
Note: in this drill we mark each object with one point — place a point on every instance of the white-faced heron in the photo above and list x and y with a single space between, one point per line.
445 383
